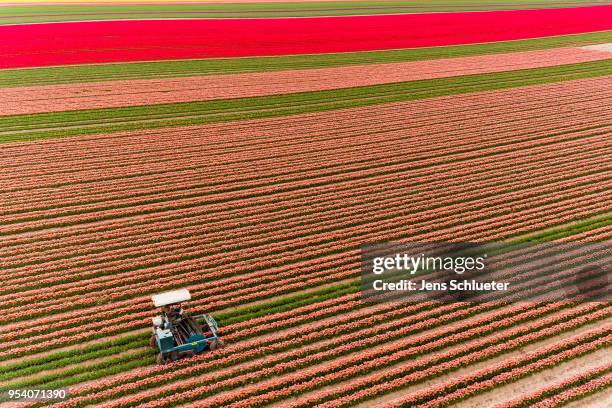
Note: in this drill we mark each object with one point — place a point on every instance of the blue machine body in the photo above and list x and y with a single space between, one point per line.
166 336
196 343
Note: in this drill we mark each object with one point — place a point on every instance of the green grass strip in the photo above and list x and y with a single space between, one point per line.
566 230
81 373
239 314
61 358
37 13
288 303
180 68
73 123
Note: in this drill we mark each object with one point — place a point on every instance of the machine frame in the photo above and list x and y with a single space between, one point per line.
181 336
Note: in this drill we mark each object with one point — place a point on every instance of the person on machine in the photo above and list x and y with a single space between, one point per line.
174 312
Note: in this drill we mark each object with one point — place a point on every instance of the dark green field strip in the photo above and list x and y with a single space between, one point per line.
85 372
96 121
169 69
36 13
573 229
284 304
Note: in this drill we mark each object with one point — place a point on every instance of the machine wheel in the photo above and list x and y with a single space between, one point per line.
216 345
161 359
153 341
174 356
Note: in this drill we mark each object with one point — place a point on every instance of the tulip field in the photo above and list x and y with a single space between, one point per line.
246 151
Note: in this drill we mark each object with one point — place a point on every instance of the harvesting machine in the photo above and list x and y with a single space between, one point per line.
177 334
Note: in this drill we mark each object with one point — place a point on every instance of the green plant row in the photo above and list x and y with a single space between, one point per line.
374 94
106 348
73 375
435 323
70 123
168 69
63 358
40 13
578 346
566 231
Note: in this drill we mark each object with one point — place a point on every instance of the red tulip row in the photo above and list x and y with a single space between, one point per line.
573 387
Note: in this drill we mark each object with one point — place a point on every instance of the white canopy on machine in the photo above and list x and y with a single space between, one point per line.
170 298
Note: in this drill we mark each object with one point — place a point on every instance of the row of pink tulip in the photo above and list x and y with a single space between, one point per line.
537 155
577 385
509 370
361 365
